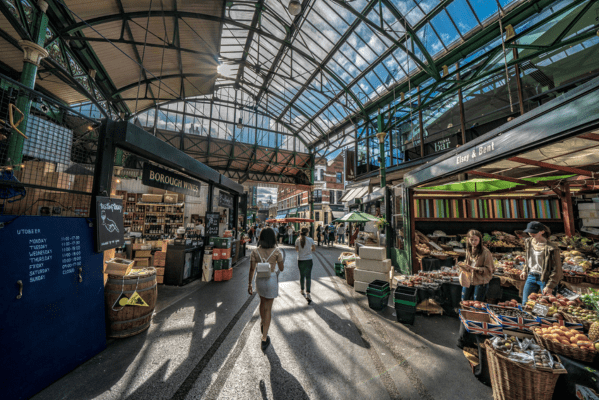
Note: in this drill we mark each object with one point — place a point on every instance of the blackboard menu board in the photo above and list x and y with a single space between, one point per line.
212 223
109 226
225 200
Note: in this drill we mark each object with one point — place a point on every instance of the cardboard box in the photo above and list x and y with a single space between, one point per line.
588 214
588 206
370 276
59 180
170 198
590 222
34 172
160 263
160 279
160 271
143 253
152 198
383 266
160 255
223 243
207 274
372 253
83 183
142 262
360 286
216 254
225 253
118 266
217 265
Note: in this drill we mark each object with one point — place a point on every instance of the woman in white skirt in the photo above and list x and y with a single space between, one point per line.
266 287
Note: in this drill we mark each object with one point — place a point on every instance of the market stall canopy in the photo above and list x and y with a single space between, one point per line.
490 185
357 216
299 220
337 214
354 193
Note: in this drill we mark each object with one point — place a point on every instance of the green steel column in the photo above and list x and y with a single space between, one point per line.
381 137
119 157
311 200
33 53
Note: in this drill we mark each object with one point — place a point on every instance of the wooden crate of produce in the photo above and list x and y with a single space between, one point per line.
142 262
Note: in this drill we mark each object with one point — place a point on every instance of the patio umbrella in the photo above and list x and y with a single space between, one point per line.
357 216
299 220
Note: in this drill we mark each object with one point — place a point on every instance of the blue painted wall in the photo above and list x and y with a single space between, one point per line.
59 321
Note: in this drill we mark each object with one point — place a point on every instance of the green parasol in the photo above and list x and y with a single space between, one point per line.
357 216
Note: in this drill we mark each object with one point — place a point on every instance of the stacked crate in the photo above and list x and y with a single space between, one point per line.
222 262
142 255
371 266
589 212
207 266
160 258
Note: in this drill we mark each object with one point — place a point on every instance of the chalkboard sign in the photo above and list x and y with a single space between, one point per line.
212 223
109 226
225 200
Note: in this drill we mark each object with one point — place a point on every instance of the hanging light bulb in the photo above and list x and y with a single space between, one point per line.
294 7
239 124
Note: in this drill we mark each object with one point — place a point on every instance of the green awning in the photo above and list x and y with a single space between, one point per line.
490 185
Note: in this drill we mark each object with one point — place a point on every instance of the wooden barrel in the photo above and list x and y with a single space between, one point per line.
129 320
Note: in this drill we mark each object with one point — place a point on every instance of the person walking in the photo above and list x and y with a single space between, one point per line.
326 235
341 231
354 236
479 264
543 267
251 233
257 232
290 232
332 235
319 229
305 247
266 287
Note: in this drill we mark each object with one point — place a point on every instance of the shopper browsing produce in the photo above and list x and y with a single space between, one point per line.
479 264
543 266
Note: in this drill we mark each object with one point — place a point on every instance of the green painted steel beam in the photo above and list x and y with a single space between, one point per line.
223 20
255 19
464 83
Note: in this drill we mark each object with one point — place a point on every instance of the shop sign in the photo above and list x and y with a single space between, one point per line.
212 223
163 179
444 144
225 200
109 225
459 161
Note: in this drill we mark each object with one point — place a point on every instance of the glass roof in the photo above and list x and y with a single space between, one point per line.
311 81
317 70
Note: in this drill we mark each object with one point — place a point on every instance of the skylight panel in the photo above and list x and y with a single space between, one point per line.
484 8
462 16
445 28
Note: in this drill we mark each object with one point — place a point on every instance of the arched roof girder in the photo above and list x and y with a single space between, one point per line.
260 110
68 31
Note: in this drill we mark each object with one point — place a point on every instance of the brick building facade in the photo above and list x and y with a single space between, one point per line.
327 194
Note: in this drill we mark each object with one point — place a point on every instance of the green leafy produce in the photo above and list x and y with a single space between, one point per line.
591 300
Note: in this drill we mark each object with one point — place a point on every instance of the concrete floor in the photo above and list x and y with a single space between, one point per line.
204 343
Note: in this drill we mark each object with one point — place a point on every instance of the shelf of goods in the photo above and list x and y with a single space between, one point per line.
151 218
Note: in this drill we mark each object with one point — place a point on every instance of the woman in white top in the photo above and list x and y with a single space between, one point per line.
267 287
305 246
290 232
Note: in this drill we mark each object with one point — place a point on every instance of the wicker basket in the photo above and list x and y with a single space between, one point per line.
569 351
471 308
573 279
512 380
592 279
575 320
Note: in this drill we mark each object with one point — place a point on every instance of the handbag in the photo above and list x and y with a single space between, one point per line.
263 268
464 278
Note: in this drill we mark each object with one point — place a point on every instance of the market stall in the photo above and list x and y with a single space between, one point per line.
541 167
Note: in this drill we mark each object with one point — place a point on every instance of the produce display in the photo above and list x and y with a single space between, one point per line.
511 312
567 337
554 303
473 304
527 352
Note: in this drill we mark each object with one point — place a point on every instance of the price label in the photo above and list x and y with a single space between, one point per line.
540 309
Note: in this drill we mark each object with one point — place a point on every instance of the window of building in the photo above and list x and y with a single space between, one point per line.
339 197
338 177
332 197
321 174
299 199
318 196
317 216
